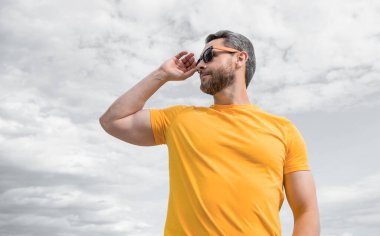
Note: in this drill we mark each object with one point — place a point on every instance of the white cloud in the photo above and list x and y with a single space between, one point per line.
62 63
64 209
353 206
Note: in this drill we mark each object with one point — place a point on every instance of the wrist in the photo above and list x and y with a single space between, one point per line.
161 75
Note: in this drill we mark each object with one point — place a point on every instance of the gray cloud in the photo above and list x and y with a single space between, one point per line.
352 207
62 63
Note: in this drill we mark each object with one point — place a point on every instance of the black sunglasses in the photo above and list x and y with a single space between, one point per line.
208 54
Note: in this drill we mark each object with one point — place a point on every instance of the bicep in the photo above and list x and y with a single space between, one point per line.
300 191
135 129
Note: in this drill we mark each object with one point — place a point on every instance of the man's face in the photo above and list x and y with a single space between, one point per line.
218 73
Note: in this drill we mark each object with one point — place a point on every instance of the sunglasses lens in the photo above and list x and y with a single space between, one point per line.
207 56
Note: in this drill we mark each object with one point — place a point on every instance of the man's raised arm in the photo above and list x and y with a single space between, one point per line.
126 119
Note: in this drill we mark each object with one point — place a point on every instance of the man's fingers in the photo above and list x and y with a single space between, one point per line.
188 62
181 54
188 57
191 70
194 64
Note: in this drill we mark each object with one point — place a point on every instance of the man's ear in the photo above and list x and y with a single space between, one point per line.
241 59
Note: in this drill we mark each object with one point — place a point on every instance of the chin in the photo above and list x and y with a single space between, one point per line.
206 92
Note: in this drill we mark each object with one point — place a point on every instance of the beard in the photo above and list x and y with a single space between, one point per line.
218 80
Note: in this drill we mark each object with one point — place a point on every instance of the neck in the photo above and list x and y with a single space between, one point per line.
236 93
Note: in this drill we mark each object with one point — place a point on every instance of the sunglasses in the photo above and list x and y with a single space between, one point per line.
208 54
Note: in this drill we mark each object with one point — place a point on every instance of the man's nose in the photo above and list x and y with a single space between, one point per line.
201 66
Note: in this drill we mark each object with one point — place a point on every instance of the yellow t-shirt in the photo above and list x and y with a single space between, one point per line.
226 168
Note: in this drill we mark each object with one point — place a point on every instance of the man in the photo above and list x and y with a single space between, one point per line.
228 162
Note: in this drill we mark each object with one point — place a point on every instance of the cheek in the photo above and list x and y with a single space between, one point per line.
228 63
228 67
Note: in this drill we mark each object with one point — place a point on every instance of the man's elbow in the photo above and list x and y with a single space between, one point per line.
307 222
105 123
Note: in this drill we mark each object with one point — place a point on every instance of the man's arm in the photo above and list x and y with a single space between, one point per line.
126 119
301 194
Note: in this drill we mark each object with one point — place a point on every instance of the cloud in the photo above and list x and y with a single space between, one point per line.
65 211
338 89
352 207
63 63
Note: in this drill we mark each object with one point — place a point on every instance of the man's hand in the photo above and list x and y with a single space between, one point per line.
179 67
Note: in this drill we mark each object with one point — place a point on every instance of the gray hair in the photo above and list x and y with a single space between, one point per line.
239 42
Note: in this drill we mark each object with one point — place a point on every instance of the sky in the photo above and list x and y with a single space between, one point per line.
62 64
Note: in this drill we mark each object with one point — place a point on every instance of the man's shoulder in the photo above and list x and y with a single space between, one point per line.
172 108
171 111
273 116
181 108
275 120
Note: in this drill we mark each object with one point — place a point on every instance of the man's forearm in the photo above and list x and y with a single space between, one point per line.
134 99
307 224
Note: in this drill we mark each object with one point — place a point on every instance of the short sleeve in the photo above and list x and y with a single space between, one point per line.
296 157
161 119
